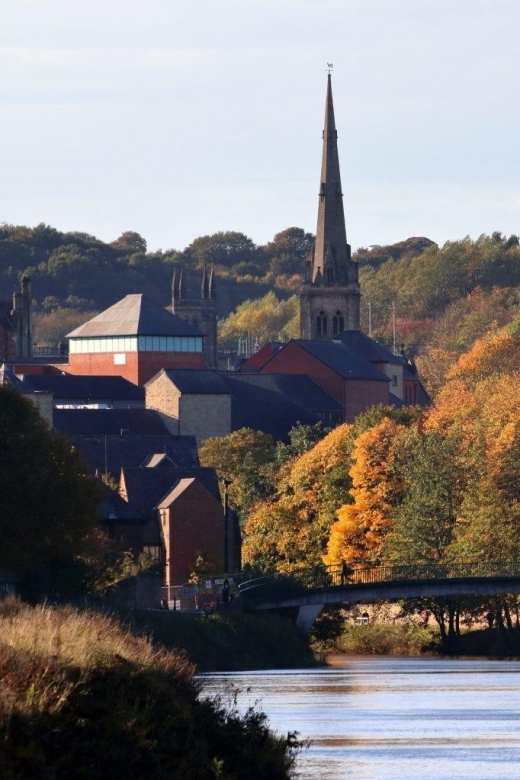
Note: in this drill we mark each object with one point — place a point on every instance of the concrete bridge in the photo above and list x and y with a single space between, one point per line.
310 590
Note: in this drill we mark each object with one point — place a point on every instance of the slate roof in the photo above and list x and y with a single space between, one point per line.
9 379
135 315
262 406
147 487
95 388
130 451
177 490
114 507
342 359
368 348
299 389
109 422
197 382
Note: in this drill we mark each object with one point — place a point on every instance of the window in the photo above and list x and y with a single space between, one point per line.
321 325
153 552
329 274
338 323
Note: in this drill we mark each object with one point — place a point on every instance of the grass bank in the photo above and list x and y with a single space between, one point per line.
229 642
406 639
82 697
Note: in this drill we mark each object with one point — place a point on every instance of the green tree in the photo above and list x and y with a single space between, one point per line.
49 506
242 457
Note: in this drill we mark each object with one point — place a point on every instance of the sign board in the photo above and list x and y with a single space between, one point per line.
189 589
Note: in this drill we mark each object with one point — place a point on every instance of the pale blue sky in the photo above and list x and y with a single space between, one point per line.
178 118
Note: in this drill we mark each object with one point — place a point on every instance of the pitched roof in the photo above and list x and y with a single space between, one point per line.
196 382
112 453
113 507
135 315
108 422
146 488
181 487
299 389
342 359
368 348
94 388
262 406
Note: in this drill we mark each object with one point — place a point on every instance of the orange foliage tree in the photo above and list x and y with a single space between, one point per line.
377 487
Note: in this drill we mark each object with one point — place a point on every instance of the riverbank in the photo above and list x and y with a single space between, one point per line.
82 697
223 642
413 640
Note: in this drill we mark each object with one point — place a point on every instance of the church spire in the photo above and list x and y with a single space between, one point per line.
331 253
329 302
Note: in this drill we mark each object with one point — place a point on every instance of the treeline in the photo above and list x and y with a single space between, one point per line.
77 273
437 300
415 486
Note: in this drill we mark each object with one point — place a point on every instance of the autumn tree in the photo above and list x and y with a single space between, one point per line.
377 487
265 319
289 530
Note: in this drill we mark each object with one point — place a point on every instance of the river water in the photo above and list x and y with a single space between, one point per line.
392 718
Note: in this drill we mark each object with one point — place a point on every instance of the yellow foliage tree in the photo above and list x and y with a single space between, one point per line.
377 486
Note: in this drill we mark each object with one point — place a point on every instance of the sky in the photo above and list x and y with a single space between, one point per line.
177 119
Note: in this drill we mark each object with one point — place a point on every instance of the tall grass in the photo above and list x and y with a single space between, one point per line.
80 697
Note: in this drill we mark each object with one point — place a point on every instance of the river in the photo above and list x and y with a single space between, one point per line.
392 718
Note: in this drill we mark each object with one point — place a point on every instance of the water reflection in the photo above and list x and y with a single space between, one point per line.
386 718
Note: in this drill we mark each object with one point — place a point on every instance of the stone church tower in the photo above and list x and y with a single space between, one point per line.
16 328
198 311
329 302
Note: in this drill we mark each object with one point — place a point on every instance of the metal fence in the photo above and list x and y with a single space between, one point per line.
362 573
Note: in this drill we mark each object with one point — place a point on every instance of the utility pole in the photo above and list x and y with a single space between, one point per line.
227 483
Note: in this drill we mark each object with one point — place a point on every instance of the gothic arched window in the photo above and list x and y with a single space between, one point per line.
329 274
338 323
321 325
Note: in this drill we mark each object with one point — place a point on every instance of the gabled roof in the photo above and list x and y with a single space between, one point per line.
135 315
181 487
158 460
108 422
341 359
196 382
112 453
73 387
367 348
147 487
256 361
113 507
9 379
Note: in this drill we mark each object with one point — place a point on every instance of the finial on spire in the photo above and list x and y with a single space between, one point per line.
330 67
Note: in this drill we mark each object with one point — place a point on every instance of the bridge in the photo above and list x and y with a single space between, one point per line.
310 590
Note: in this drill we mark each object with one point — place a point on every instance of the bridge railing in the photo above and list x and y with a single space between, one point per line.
363 573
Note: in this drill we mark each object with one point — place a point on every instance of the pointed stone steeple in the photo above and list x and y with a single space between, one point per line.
331 250
329 302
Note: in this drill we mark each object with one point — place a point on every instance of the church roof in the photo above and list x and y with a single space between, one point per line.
135 315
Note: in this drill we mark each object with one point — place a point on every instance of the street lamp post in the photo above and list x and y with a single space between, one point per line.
227 483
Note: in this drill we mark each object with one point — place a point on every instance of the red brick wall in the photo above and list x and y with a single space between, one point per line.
196 527
355 394
292 359
361 394
139 366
